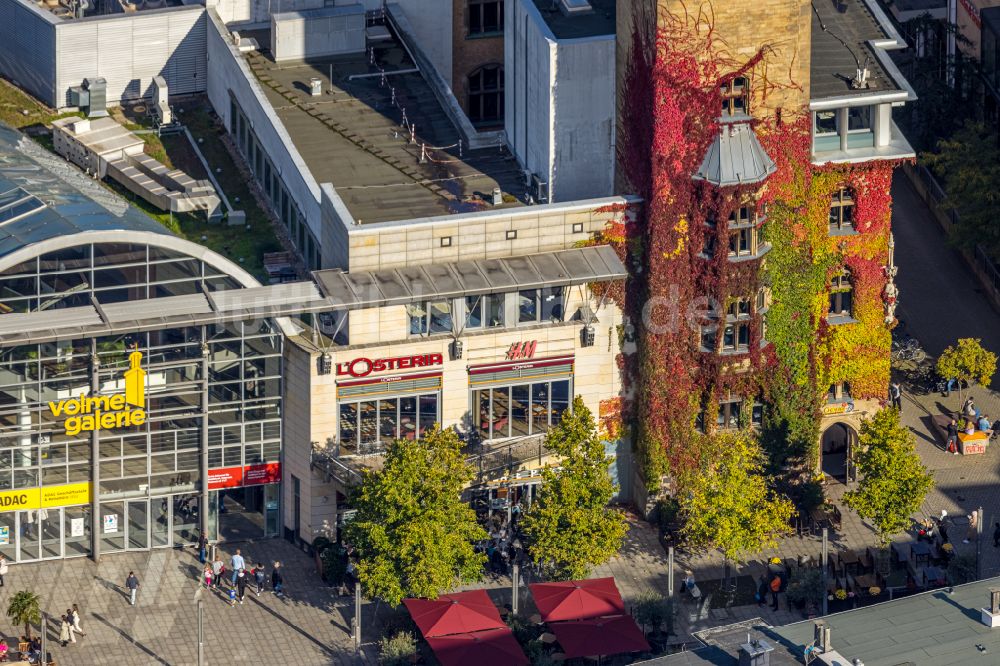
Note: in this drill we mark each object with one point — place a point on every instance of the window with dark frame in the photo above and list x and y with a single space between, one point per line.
485 17
485 94
842 210
841 295
735 96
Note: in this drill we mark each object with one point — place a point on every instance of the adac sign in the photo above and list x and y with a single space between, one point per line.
45 498
122 410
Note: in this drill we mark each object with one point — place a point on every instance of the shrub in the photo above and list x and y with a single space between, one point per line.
962 569
398 650
806 587
334 561
320 544
651 609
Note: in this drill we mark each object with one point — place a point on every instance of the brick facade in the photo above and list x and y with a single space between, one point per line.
469 53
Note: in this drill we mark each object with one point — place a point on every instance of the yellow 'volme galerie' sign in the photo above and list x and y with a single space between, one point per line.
48 497
89 413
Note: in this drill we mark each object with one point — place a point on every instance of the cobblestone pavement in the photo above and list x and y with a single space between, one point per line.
307 627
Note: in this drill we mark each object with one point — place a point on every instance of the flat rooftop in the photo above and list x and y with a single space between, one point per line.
599 21
353 136
838 50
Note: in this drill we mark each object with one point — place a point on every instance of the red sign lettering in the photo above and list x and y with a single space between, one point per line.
263 473
251 475
226 477
362 367
521 350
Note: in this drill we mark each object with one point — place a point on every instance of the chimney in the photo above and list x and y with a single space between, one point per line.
821 636
991 614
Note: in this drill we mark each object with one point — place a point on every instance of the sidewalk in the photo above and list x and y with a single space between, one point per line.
310 626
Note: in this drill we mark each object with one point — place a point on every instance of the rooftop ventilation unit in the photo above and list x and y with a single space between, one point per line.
575 7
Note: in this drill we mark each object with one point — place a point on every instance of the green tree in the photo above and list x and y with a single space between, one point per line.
414 535
967 361
729 505
969 162
24 608
894 481
571 527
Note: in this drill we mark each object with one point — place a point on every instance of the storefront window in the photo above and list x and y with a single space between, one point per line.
521 409
540 305
367 423
484 311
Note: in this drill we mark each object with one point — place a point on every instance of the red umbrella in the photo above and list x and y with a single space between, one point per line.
493 647
454 613
599 636
577 599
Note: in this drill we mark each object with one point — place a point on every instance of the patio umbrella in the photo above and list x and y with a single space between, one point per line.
599 636
492 647
457 613
577 599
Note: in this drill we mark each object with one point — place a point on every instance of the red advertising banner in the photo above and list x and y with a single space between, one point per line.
262 473
251 475
225 477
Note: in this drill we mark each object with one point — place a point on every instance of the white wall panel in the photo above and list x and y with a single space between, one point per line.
28 48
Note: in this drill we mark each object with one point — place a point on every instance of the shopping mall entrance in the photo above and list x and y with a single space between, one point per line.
250 512
155 522
45 534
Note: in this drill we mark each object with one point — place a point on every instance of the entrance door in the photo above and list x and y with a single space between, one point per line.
161 522
50 527
27 536
138 525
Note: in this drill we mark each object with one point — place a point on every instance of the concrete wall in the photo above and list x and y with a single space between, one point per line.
430 21
478 235
318 33
560 115
529 70
583 165
230 78
28 48
129 50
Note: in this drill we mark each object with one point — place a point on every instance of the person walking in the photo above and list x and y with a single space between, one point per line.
896 395
953 437
69 620
202 547
75 617
762 588
218 569
277 582
258 577
237 563
973 527
241 584
207 576
132 583
64 632
3 568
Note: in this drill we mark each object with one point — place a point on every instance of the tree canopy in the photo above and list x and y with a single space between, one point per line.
414 535
571 528
894 481
25 608
969 161
968 361
729 504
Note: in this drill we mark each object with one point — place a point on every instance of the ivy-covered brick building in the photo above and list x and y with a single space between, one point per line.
760 137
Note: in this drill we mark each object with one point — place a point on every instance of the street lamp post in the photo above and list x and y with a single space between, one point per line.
201 625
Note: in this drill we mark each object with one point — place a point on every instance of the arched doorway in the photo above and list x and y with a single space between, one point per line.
835 446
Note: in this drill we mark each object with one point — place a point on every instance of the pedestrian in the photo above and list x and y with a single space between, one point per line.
241 584
973 527
132 583
69 620
953 437
76 620
237 563
64 632
896 395
943 526
258 577
232 596
202 547
3 568
208 576
996 535
276 580
218 570
761 591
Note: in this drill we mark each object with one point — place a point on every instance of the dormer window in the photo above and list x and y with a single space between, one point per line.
735 94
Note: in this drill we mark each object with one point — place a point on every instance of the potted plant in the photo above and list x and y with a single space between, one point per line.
806 588
24 608
398 650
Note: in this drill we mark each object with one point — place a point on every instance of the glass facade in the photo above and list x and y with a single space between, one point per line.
520 409
149 481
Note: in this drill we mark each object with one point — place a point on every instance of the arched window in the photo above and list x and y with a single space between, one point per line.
486 95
